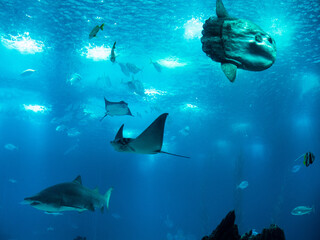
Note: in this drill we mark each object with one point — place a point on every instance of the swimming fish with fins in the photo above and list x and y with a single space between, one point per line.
69 196
148 142
116 109
237 43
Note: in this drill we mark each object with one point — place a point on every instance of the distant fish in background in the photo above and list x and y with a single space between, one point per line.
27 73
113 55
73 132
295 168
12 180
50 228
156 65
116 109
185 131
95 30
136 86
148 142
302 210
103 82
10 147
124 69
116 216
75 79
71 149
243 185
132 68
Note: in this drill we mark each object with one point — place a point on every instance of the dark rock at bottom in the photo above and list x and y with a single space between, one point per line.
227 230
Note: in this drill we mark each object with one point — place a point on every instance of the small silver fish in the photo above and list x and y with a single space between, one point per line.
243 185
27 73
302 210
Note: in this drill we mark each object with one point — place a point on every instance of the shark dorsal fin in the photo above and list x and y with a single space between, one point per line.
78 180
96 190
119 133
221 10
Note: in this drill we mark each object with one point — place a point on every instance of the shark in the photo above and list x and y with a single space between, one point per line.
69 196
116 109
148 142
237 43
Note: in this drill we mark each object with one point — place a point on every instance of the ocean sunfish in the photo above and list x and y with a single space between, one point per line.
116 109
237 43
148 142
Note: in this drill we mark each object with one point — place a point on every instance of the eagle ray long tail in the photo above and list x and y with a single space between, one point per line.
174 154
103 117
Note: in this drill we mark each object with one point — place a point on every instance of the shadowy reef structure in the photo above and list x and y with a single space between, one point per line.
227 230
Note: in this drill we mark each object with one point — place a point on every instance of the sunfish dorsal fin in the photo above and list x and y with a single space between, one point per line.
119 133
78 180
221 10
150 140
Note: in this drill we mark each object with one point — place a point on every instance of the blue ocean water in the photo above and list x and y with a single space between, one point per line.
250 130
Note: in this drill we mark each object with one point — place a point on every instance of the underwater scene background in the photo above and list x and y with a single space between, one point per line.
251 130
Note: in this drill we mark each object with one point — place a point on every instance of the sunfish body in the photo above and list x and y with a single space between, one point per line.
116 108
237 43
69 196
148 142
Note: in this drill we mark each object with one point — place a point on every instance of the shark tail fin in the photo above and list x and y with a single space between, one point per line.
172 154
107 197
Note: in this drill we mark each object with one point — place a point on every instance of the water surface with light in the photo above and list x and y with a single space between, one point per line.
251 130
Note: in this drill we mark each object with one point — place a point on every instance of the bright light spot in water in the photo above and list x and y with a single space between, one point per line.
258 150
97 53
281 30
153 92
171 62
35 108
23 43
193 28
303 121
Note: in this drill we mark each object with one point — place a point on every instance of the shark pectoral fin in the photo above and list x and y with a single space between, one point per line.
230 70
221 10
172 154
